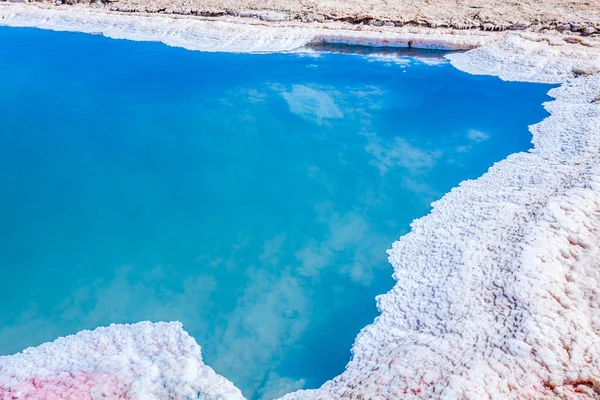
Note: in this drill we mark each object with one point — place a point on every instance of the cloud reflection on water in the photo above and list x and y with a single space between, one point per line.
265 278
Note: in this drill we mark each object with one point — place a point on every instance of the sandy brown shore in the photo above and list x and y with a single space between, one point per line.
581 17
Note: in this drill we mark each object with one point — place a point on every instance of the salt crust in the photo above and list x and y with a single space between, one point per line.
230 35
146 360
498 288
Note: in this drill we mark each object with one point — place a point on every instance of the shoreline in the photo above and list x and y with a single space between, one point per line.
246 34
575 17
496 289
231 34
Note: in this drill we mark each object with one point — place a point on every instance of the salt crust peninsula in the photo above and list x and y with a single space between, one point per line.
498 288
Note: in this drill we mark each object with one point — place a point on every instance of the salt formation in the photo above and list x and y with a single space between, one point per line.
142 361
498 289
230 35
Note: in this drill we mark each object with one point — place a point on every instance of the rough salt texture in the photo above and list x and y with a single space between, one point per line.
498 289
530 58
147 361
231 35
576 15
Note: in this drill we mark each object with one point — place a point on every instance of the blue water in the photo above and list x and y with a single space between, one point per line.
251 197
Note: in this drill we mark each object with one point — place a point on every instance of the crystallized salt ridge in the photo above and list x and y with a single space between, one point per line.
220 35
142 361
498 289
528 58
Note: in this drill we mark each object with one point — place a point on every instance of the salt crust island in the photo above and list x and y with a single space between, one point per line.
498 288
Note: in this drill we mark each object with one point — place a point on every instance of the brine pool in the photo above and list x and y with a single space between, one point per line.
251 197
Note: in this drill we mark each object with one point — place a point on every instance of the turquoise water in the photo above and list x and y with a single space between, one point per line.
251 197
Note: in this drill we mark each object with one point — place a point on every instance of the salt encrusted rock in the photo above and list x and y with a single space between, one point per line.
141 361
465 24
264 15
312 17
436 23
576 26
519 26
500 26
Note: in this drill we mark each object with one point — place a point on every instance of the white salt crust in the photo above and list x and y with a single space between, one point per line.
146 360
498 288
230 35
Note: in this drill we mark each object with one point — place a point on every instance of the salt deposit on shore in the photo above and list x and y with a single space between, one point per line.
225 34
491 15
497 292
142 361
